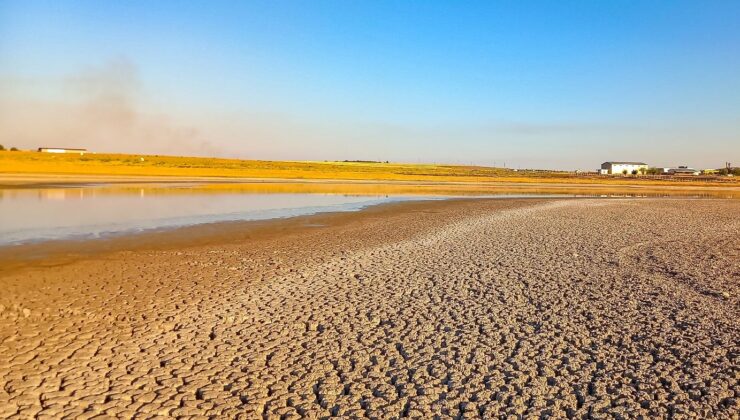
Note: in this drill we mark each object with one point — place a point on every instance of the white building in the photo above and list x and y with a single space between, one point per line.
619 168
61 150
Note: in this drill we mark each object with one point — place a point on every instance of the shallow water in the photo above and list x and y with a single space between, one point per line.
63 213
90 211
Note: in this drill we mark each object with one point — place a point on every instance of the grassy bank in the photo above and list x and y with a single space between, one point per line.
174 166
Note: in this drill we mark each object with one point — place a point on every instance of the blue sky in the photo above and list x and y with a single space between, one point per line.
533 84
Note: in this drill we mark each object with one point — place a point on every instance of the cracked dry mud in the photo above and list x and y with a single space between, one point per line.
467 309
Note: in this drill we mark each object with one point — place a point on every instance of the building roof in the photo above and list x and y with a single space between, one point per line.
624 163
63 148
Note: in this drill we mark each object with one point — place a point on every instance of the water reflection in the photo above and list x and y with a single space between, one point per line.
33 214
378 189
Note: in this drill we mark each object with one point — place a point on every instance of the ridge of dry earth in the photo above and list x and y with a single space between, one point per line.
475 308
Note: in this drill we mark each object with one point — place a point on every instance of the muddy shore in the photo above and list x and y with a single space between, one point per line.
464 308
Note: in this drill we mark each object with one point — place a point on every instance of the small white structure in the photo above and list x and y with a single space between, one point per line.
61 150
619 168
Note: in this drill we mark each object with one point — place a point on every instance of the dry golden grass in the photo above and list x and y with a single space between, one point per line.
174 166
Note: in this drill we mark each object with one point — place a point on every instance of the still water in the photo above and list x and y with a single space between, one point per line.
34 214
77 213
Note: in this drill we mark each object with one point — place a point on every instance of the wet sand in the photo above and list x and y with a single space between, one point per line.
467 308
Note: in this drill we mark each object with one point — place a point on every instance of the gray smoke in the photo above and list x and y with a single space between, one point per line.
99 109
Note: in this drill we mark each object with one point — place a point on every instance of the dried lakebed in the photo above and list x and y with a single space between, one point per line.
484 308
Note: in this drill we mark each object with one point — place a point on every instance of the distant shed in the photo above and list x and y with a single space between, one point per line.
61 150
683 170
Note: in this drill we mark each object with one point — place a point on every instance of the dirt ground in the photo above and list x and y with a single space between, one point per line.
569 308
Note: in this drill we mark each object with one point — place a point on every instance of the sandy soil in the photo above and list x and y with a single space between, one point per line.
477 308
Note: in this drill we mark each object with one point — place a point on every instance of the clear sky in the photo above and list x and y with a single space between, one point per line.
551 84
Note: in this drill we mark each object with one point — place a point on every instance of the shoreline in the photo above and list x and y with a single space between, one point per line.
56 252
543 307
25 180
65 251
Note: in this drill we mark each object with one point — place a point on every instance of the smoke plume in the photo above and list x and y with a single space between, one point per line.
100 109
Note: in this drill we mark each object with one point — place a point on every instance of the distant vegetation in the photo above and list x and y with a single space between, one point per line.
730 171
148 165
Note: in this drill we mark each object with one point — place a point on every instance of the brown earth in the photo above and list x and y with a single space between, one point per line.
470 308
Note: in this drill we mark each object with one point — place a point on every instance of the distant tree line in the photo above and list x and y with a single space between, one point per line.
659 171
641 171
729 171
362 161
12 149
